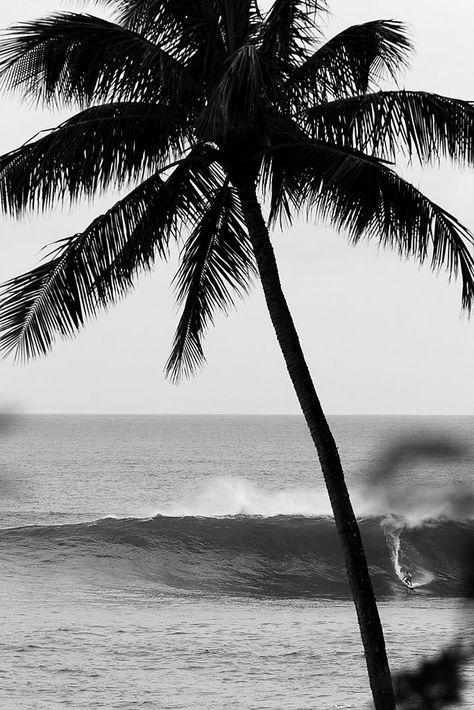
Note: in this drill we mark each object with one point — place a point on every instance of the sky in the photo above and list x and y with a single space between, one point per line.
381 335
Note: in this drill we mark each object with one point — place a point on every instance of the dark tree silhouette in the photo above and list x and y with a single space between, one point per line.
208 107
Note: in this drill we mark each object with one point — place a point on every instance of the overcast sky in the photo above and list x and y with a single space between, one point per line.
381 335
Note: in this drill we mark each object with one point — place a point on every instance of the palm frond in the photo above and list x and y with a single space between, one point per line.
239 104
238 22
289 28
109 144
364 197
190 25
352 62
427 126
216 266
192 31
138 14
282 130
161 19
73 58
96 267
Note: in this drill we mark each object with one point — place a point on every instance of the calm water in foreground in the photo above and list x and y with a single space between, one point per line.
191 562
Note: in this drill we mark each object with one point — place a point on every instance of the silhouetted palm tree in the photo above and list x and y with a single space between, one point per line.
210 107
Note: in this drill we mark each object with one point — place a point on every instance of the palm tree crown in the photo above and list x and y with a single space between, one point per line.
185 99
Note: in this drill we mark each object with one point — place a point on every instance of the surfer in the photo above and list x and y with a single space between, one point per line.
407 579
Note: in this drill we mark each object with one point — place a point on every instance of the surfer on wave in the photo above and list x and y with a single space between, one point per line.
407 579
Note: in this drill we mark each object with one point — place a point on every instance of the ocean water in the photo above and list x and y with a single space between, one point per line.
192 562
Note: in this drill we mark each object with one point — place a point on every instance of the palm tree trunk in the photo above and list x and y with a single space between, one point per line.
346 523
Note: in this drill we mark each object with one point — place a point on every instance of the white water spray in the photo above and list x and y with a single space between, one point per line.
420 575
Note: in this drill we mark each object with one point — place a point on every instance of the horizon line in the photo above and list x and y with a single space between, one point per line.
14 412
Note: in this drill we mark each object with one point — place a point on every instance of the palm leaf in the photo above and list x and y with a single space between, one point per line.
191 30
239 21
181 23
386 123
364 197
282 131
239 106
216 265
70 57
164 15
110 144
160 19
352 62
96 267
289 28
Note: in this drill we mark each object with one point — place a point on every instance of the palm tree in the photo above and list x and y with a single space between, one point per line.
206 107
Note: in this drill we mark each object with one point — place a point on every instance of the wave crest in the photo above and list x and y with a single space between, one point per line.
282 556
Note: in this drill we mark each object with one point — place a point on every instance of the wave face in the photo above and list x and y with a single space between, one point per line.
281 556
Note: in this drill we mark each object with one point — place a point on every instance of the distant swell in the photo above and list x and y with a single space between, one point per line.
282 556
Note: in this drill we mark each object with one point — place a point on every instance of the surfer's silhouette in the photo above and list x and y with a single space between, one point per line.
407 579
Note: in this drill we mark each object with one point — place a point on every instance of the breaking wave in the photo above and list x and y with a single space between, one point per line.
284 556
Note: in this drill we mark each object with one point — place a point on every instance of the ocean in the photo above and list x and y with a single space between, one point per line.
191 562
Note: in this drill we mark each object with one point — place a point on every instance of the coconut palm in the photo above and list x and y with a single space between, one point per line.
208 109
